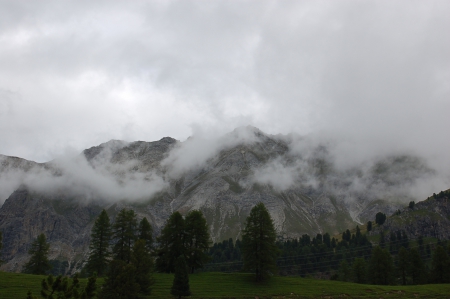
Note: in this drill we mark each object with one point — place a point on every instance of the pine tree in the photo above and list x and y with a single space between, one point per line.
91 288
38 263
258 243
417 269
124 234
369 226
197 240
143 263
180 286
146 233
440 265
171 243
99 246
1 246
381 266
344 271
403 264
120 282
359 270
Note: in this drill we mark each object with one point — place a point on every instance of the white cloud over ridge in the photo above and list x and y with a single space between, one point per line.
372 76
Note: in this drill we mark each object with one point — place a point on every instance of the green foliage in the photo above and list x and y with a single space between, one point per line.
411 205
146 233
180 285
124 234
143 263
417 270
1 246
403 262
38 263
171 243
369 226
61 288
197 240
99 246
259 250
359 268
90 291
344 271
380 218
120 282
440 271
381 267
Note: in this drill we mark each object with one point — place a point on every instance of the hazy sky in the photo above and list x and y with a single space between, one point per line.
73 74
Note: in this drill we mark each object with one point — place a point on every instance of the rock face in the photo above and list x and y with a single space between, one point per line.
302 189
428 218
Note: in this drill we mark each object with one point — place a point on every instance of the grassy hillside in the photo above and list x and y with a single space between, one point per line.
237 285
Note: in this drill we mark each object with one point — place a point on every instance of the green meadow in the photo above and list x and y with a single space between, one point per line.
239 285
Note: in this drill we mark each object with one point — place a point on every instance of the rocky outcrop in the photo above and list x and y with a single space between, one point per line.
303 191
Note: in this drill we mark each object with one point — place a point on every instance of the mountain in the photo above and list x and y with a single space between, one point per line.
297 179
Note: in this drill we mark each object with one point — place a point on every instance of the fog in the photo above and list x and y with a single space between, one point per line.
368 79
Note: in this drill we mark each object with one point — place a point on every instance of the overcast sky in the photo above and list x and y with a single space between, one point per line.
74 74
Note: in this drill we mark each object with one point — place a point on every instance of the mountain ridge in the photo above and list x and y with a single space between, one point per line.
303 189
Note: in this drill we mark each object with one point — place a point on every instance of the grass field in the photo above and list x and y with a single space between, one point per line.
237 285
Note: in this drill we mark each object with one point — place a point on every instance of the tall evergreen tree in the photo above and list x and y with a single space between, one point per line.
143 263
197 240
180 286
345 271
381 266
171 243
38 263
359 270
258 243
99 246
1 246
124 233
146 233
120 282
417 269
440 265
403 264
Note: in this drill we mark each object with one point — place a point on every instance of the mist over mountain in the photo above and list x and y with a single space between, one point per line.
303 181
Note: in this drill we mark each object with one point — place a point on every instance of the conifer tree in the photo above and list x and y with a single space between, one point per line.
143 263
417 269
124 234
381 266
403 264
197 240
38 263
440 265
180 286
344 271
259 250
146 233
171 243
1 246
359 270
99 246
120 282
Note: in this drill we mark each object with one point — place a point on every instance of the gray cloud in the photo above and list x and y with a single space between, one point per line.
370 77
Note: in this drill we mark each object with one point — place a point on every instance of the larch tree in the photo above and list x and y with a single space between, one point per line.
142 260
146 233
171 243
259 250
180 285
381 266
99 247
38 263
124 234
197 240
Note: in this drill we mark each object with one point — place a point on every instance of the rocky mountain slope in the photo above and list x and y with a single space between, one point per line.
303 189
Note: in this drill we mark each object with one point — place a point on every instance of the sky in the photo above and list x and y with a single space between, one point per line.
374 75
